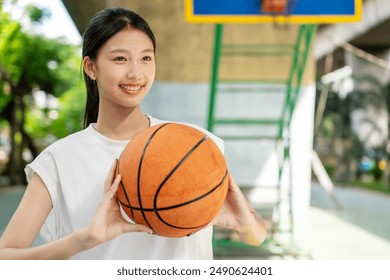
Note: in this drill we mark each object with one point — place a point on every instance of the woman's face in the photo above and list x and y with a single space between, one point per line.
125 68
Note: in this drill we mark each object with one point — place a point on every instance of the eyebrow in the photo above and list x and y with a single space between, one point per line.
126 51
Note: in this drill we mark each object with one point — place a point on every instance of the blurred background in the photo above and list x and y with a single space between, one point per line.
303 109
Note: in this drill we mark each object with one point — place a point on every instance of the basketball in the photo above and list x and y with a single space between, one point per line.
274 6
174 179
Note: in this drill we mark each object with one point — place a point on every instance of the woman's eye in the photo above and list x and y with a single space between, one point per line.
120 58
147 58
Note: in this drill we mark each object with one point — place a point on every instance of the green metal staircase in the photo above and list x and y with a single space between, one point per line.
290 88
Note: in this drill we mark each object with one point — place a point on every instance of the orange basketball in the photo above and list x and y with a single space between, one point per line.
274 6
174 179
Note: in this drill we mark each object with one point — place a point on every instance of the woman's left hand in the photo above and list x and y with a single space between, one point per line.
237 214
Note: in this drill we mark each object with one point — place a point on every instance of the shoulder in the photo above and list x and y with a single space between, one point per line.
74 139
58 154
62 147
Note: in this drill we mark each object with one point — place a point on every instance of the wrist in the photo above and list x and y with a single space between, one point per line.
85 240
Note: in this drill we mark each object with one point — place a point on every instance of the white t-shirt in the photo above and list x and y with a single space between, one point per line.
74 170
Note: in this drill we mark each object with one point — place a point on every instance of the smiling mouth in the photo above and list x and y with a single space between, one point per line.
132 89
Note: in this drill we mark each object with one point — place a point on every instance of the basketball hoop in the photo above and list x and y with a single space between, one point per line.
279 10
274 6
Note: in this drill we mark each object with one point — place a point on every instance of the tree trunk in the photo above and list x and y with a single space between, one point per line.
16 163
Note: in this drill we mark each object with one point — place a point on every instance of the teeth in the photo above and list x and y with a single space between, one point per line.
131 88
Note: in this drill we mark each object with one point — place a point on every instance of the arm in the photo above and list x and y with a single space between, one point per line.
22 230
239 215
26 223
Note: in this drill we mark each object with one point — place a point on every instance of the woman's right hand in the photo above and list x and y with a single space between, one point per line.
108 221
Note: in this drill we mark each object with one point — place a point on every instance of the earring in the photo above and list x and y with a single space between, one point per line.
92 77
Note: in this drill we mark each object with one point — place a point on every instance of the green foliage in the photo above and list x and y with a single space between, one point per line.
5 96
376 172
29 59
58 123
67 118
70 113
31 63
371 185
36 14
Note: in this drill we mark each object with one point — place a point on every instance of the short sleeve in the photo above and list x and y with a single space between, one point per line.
45 166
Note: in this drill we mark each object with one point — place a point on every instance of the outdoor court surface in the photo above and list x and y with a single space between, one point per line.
359 231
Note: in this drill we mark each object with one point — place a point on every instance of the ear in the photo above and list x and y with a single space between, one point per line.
89 67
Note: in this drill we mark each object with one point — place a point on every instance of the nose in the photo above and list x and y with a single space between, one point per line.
134 73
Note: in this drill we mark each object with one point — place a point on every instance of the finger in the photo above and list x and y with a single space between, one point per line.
137 228
235 191
142 228
232 183
114 186
110 176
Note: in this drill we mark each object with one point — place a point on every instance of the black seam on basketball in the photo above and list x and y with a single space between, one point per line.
155 209
128 201
175 168
139 173
177 205
126 196
195 199
189 202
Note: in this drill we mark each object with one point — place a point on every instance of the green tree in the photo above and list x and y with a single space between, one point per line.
29 63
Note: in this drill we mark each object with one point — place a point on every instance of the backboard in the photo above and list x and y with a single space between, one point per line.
250 11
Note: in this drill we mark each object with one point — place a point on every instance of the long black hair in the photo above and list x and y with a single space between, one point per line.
100 28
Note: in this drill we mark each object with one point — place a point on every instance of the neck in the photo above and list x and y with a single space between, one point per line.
121 125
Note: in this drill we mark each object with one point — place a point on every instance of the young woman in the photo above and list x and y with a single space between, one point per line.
70 197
